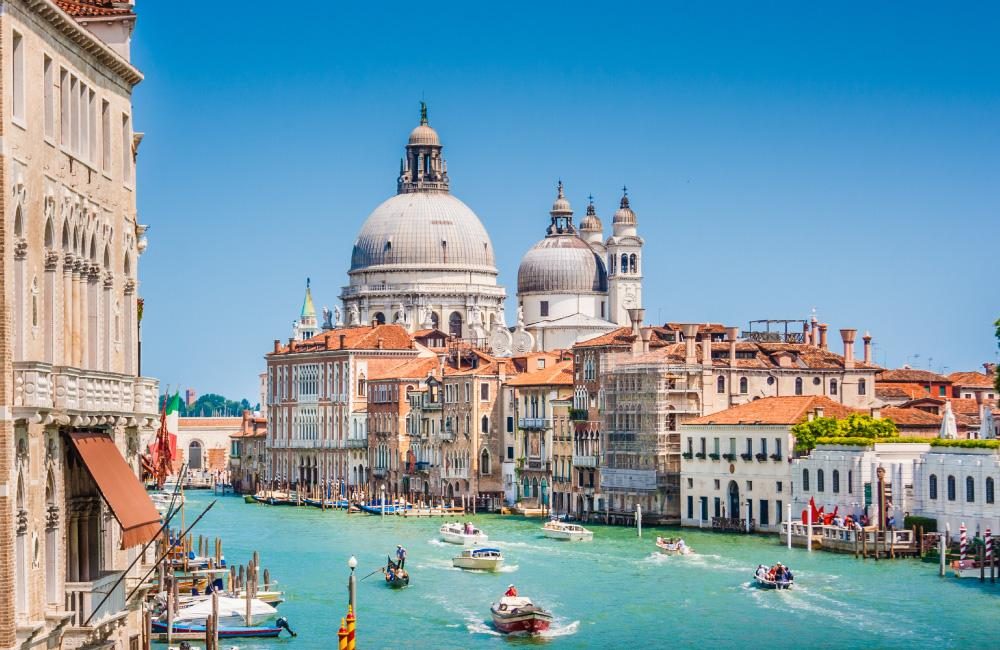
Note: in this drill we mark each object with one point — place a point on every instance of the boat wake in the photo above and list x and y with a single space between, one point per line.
565 630
438 542
508 568
481 627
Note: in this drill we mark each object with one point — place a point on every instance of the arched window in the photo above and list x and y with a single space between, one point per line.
744 389
484 462
379 318
951 488
932 486
49 236
720 384
435 320
862 387
611 264
633 263
833 386
989 489
485 428
836 482
798 385
819 480
455 324
624 263
805 480
970 489
194 455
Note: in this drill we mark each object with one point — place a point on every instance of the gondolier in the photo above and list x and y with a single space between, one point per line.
401 555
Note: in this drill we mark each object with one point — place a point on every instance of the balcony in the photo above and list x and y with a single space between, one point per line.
586 461
534 423
579 415
357 443
538 465
380 472
447 435
43 386
83 597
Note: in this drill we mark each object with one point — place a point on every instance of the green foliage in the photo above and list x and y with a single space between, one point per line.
929 523
212 405
861 441
855 426
966 444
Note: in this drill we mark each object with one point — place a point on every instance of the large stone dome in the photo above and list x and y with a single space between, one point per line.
423 230
561 264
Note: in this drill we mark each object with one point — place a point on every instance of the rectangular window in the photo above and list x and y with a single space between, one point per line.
704 508
702 446
691 446
510 429
763 513
74 114
92 138
64 94
484 392
941 391
84 121
732 446
777 447
17 78
545 308
717 484
777 512
690 505
777 486
48 92
763 446
126 149
106 136
749 486
749 446
718 507
715 446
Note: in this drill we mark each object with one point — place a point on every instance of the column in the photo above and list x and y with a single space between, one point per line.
66 354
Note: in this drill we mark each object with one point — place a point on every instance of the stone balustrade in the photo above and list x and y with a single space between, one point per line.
83 597
87 393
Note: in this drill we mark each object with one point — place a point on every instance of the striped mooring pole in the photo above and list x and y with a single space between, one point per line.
962 542
988 541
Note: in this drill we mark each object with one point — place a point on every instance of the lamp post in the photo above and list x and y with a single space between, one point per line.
382 501
351 583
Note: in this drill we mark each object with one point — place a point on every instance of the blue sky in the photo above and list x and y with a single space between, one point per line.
780 157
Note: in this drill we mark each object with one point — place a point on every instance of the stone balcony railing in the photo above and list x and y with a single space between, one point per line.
357 443
586 461
83 597
83 393
534 423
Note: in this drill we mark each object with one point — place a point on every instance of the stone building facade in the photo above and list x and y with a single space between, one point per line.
69 381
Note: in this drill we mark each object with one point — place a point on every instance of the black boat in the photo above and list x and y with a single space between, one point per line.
395 576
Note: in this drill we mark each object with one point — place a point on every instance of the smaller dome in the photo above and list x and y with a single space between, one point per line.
591 222
561 205
561 264
424 135
624 214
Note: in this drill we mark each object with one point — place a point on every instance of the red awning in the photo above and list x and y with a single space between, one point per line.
119 486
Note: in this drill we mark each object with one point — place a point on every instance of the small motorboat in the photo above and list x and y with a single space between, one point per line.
481 559
970 569
517 614
232 611
464 534
228 631
673 546
376 507
566 531
395 577
777 577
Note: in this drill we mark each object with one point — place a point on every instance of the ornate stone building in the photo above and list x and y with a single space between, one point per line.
422 258
73 408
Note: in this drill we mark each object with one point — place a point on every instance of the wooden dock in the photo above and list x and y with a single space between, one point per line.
864 542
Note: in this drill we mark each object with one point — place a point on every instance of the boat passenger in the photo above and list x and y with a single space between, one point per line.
511 591
761 571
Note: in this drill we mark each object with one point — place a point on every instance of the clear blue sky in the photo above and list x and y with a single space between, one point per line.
780 157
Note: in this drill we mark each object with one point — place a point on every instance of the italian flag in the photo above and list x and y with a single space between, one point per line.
173 414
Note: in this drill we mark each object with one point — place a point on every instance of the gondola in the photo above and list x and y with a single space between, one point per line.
395 577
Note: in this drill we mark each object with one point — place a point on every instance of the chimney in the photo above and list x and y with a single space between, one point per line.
867 338
343 341
807 336
326 341
706 348
378 343
876 413
689 332
646 334
502 370
848 337
732 333
291 343
277 345
635 316
822 335
990 368
374 323
814 331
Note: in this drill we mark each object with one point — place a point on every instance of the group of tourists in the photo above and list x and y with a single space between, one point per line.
778 573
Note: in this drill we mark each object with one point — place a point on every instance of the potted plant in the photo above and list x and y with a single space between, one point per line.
761 457
714 456
746 456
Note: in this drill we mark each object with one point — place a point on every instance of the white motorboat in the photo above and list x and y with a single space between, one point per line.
232 611
162 500
673 546
566 531
777 577
464 534
482 559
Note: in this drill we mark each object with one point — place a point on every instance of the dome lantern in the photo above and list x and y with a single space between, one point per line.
423 169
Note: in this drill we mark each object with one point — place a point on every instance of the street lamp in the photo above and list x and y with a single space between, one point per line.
351 584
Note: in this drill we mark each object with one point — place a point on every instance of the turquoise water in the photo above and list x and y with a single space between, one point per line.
612 592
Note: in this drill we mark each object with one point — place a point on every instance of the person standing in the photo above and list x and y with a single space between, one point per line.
400 555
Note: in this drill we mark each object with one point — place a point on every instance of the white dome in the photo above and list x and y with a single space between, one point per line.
424 135
561 264
423 230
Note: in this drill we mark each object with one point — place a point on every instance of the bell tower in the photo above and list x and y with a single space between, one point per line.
624 248
423 169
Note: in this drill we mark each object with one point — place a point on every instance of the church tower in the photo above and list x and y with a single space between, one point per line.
624 264
306 327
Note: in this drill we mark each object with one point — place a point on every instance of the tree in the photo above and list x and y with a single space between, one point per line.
855 425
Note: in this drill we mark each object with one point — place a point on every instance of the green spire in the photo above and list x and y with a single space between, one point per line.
423 112
308 308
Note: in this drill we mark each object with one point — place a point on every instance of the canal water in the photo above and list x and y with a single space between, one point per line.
612 592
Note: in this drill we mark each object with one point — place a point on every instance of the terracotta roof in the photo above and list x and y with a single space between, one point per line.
407 369
556 374
260 433
392 337
911 375
901 391
754 355
911 417
198 423
92 8
776 410
621 336
976 379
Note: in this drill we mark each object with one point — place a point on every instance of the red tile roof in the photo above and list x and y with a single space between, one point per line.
557 374
384 337
901 391
196 422
408 369
622 336
971 379
911 417
755 355
776 410
911 375
92 8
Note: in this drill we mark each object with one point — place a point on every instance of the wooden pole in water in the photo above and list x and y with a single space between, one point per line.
942 551
215 620
147 629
